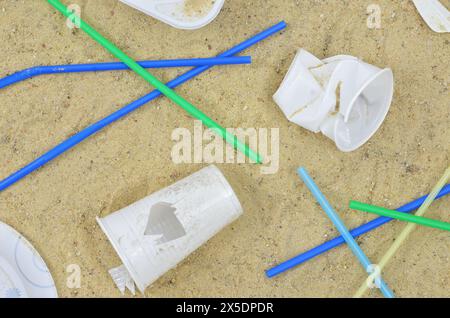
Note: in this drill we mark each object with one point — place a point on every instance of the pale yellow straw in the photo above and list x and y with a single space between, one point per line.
406 231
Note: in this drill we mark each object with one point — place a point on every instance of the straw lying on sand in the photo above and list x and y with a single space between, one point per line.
117 66
407 231
363 207
338 241
98 126
326 206
152 80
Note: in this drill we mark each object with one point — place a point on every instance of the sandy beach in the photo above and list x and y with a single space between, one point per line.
56 207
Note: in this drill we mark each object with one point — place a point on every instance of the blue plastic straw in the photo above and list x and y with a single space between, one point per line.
117 66
329 245
89 131
326 206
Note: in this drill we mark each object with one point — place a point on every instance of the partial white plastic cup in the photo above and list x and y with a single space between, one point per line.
435 14
153 235
342 97
173 12
366 112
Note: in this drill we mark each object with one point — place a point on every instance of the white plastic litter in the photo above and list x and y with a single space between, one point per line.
123 279
181 14
153 235
435 15
342 97
23 273
11 286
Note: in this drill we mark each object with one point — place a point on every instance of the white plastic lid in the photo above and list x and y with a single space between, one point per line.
23 273
11 285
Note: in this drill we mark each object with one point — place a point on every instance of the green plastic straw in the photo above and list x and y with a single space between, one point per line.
409 228
177 99
355 205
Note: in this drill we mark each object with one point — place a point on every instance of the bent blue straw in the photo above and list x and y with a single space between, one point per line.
329 245
334 217
117 66
85 133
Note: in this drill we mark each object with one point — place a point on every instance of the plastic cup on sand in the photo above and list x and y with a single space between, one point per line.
342 97
181 14
156 233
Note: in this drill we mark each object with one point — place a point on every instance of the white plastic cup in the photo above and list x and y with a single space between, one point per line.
343 97
156 233
173 12
435 14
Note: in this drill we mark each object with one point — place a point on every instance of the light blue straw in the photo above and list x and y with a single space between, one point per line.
326 206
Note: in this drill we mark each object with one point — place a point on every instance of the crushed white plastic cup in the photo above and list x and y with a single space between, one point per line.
342 97
156 233
181 14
